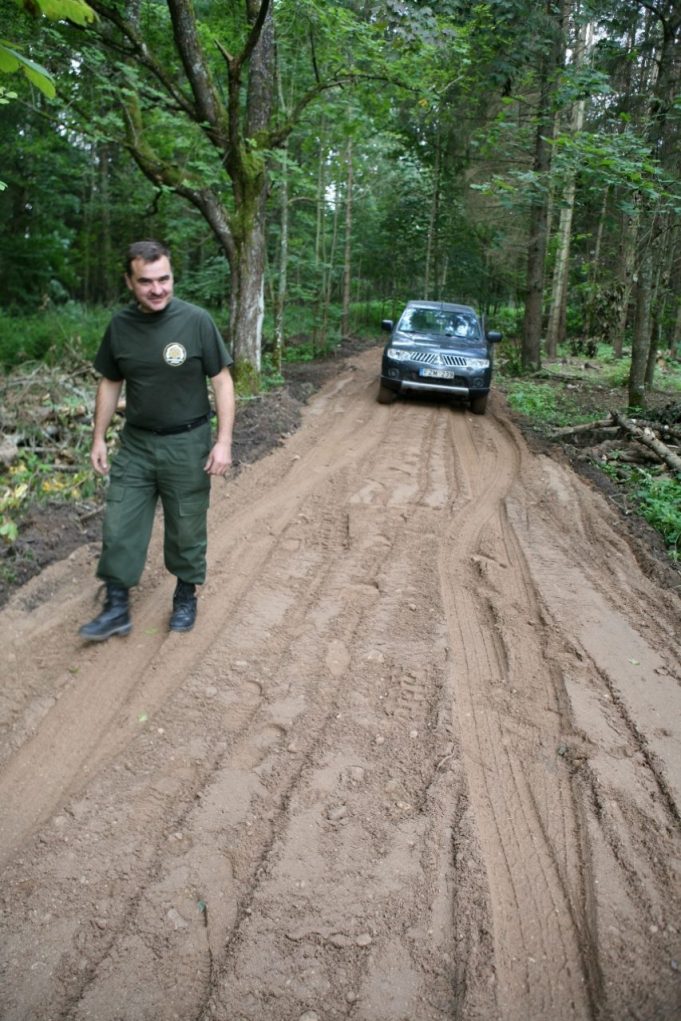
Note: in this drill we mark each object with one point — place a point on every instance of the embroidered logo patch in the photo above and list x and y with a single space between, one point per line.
174 354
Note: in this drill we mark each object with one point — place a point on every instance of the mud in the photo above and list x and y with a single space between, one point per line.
419 758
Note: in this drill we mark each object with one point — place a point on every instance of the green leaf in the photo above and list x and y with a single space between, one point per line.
11 61
76 11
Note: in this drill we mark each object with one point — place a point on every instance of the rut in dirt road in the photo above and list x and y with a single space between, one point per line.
419 759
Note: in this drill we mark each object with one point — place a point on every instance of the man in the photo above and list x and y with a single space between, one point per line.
164 349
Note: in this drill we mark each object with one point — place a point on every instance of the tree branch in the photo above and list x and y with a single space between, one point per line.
277 136
650 440
254 35
208 105
141 50
206 111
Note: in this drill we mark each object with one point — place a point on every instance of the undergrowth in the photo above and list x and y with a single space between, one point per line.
543 403
656 497
51 336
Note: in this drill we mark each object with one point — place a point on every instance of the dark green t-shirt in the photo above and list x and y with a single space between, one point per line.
164 358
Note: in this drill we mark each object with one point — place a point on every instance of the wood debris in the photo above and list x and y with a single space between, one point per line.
613 438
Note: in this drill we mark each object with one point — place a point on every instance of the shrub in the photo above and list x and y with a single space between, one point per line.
49 336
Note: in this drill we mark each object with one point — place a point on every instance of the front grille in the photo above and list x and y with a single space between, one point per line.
440 358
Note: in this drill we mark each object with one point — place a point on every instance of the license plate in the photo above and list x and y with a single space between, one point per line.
438 373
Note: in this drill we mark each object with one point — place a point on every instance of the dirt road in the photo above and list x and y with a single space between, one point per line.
420 759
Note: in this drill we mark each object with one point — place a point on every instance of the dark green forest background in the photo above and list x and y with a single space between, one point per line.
314 164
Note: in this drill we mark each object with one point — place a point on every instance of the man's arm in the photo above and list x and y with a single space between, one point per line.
220 457
108 392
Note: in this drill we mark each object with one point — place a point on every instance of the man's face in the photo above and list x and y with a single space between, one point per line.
151 283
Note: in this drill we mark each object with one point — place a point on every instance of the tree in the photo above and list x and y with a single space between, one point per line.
549 65
555 332
200 121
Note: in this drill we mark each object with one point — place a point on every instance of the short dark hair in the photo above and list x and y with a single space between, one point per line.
148 251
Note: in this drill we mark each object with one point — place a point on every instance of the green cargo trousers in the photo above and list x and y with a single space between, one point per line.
145 468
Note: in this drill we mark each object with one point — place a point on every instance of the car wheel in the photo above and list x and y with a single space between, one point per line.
479 404
385 395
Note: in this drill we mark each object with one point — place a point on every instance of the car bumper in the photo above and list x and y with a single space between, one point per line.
459 386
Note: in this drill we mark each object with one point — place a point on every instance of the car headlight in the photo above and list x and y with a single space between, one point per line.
477 363
398 355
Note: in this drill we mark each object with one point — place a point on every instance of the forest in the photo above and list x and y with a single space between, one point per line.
313 165
420 758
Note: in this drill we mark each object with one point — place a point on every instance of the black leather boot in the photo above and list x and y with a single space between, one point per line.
114 618
183 616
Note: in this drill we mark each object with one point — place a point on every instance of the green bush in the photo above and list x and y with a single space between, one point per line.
507 320
616 375
658 499
534 400
49 336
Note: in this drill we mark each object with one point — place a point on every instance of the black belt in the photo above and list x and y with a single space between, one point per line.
170 430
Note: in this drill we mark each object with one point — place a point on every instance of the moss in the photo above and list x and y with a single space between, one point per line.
247 379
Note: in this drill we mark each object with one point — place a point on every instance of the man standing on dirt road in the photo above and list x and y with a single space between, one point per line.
164 349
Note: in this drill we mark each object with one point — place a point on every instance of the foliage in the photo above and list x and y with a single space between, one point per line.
51 336
12 58
440 101
543 403
659 501
32 480
656 497
508 320
48 411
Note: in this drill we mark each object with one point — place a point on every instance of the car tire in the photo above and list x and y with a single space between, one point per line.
385 395
479 404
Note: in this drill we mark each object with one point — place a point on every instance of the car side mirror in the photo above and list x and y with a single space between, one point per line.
387 325
494 337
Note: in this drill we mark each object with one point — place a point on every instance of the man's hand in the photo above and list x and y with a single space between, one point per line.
219 460
220 457
108 392
99 457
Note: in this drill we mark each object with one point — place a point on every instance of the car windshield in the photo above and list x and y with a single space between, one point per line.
439 323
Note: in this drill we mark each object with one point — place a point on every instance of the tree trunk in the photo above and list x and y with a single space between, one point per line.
538 224
327 270
556 329
641 340
107 286
630 229
594 268
664 77
247 307
555 333
430 270
247 297
676 339
280 300
347 259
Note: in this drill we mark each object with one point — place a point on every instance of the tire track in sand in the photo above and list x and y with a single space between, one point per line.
512 719
364 785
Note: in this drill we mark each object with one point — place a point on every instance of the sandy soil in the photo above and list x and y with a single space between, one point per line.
419 760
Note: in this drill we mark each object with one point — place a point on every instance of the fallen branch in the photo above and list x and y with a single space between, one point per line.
575 430
650 440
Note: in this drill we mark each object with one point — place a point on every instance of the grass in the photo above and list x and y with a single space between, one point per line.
544 404
659 501
656 497
52 335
